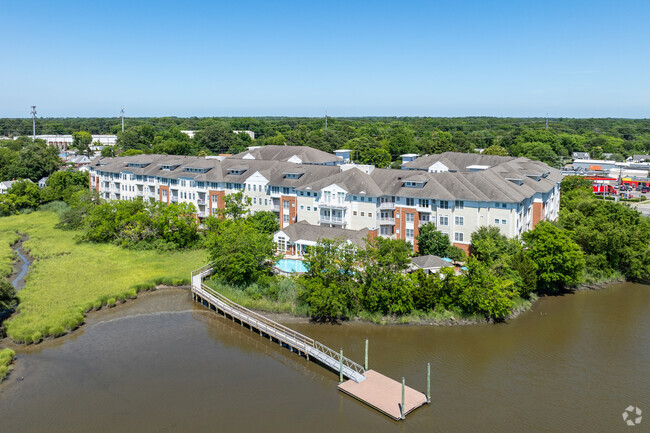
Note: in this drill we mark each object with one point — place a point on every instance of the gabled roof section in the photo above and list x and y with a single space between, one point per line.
354 181
302 230
295 154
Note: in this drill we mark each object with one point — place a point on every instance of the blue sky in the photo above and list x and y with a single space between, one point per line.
349 58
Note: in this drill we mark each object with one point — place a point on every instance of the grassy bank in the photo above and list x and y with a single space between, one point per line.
68 278
7 255
6 358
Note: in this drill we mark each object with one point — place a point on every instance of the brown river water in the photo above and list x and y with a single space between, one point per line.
164 364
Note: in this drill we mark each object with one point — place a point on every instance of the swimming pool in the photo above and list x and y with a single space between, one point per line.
291 266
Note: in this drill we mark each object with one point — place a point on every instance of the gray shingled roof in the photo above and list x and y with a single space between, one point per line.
302 230
308 155
491 184
456 160
430 261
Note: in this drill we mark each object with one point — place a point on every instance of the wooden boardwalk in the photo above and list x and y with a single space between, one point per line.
379 391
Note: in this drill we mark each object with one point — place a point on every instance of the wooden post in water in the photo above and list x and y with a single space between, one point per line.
402 408
341 366
428 383
365 364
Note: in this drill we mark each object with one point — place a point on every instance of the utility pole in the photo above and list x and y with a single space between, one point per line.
122 116
33 122
546 120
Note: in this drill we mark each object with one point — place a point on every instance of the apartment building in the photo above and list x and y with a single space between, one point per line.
458 192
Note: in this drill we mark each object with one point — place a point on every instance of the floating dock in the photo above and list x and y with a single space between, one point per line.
386 395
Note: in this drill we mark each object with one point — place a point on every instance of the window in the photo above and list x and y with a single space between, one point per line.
423 202
327 196
458 237
503 221
363 198
424 217
281 244
370 214
266 202
496 221
460 204
504 205
409 217
409 233
410 201
249 187
444 204
444 220
254 200
285 219
308 207
285 204
354 213
459 220
302 207
361 213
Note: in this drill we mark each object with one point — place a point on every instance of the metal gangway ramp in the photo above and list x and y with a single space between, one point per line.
302 344
370 387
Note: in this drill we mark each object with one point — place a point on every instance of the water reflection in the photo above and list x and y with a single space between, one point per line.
163 363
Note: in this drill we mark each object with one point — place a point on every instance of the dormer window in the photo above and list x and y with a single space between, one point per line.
293 175
239 170
137 164
196 169
413 184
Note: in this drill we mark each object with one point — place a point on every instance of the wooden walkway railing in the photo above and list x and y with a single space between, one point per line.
284 335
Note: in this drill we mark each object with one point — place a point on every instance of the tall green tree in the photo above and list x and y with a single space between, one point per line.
431 241
559 260
240 253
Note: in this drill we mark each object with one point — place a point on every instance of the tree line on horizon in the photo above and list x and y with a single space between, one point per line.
373 140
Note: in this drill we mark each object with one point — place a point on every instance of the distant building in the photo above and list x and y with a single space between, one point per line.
251 134
640 158
42 183
580 155
4 186
189 133
64 142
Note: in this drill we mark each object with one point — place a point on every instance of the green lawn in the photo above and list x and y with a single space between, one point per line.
69 278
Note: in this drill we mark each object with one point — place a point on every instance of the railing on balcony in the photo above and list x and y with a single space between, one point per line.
330 220
173 199
387 205
332 205
386 220
201 201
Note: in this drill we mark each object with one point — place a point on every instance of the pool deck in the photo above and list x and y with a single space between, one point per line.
384 394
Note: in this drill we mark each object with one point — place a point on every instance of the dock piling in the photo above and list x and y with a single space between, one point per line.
428 382
341 366
365 364
402 408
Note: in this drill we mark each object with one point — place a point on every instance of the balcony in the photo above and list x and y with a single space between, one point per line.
384 221
326 205
330 220
173 199
387 205
276 208
201 201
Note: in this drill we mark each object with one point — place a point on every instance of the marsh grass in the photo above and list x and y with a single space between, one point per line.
68 278
7 255
6 358
252 298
